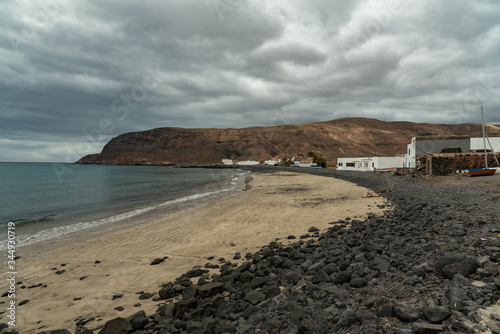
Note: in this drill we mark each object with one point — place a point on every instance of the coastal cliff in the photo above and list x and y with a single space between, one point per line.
332 139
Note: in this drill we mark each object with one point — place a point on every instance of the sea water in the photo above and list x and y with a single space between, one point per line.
49 201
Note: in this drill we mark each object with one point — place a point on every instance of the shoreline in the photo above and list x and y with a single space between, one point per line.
96 271
110 224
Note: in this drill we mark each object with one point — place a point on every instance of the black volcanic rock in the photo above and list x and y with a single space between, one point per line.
116 326
450 265
406 313
436 314
167 291
347 319
138 320
157 261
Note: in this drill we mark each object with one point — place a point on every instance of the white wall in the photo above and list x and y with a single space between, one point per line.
432 146
369 164
410 156
303 163
272 162
477 144
363 164
247 163
429 145
388 162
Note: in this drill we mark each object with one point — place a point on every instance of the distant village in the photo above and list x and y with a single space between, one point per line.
285 162
432 155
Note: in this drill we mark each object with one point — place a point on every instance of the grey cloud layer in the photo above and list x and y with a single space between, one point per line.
139 65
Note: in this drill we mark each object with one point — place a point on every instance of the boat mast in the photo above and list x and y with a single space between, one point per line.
484 139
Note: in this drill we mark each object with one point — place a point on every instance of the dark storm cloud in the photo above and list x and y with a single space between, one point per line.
75 74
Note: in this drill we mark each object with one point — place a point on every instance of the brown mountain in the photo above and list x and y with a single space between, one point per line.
346 137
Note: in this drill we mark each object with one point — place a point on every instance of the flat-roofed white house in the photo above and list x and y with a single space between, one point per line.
272 162
304 164
227 162
370 164
435 144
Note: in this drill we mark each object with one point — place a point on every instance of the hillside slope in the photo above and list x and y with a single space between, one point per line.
347 137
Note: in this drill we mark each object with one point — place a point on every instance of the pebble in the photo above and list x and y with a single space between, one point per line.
157 261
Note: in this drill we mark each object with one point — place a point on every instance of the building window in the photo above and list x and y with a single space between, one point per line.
349 164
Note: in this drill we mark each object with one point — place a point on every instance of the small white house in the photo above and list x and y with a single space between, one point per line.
227 162
247 163
370 164
304 164
272 162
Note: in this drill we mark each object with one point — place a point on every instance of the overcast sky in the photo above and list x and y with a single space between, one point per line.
74 74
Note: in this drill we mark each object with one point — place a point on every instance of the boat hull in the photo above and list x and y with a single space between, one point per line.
480 172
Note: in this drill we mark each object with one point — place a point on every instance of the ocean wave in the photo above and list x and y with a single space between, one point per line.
28 221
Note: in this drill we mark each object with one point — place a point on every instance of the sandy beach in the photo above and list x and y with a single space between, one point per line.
90 275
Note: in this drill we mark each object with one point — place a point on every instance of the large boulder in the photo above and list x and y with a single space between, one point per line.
406 313
138 320
436 314
254 297
210 289
116 326
449 265
167 291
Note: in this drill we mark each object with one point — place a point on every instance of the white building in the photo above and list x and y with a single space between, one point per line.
304 164
434 144
247 163
477 144
272 162
228 162
370 164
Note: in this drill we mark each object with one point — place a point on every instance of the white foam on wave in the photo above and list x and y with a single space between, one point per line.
59 231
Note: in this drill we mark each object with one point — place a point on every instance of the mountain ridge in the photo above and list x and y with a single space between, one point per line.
344 137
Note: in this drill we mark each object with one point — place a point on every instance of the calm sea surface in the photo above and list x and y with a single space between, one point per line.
48 201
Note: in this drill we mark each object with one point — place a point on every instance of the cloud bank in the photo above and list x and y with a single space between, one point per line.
75 74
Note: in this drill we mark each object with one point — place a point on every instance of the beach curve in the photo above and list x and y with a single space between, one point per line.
276 205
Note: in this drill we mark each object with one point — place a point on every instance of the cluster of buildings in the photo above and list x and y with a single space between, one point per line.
296 163
437 155
422 150
229 162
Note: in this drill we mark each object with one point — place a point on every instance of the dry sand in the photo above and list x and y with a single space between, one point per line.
276 205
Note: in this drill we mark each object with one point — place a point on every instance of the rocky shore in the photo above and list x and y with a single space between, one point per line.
429 264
